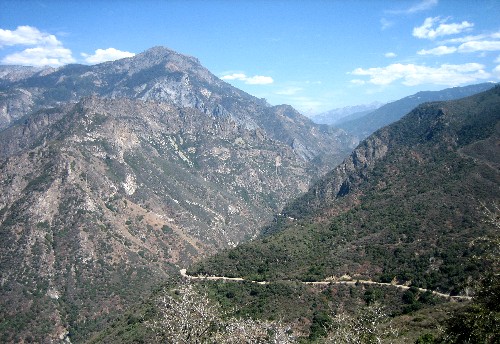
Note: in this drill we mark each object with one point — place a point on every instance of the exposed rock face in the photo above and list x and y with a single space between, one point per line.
162 75
160 163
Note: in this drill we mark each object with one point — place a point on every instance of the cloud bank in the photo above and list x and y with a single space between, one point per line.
413 75
104 55
44 49
249 80
47 50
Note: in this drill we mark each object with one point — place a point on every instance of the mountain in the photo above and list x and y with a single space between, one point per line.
408 205
363 126
339 115
114 175
160 74
410 216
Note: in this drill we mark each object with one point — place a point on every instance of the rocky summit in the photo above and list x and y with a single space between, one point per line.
115 175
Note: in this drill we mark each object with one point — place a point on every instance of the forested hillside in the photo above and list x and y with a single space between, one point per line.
407 204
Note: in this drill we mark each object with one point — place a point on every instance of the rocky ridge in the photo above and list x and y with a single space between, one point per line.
162 75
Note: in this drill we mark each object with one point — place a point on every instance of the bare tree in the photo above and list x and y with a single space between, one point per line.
370 325
186 315
252 331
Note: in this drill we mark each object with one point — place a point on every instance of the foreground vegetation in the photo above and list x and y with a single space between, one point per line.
242 312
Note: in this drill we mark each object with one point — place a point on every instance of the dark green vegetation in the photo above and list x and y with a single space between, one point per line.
480 321
306 311
407 204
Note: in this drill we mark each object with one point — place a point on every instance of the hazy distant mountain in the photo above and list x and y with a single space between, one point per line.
363 126
341 114
114 175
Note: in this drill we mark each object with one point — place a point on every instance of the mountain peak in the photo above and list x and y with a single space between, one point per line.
161 53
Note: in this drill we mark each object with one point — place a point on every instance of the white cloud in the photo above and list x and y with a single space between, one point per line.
497 59
358 82
249 80
413 75
289 91
422 6
259 80
26 35
386 23
496 71
103 55
390 55
474 46
234 76
40 56
47 50
418 7
427 30
495 35
441 50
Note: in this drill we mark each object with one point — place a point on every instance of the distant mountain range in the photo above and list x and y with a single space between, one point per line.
363 124
340 115
114 175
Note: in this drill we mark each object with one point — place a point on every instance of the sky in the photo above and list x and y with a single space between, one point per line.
314 55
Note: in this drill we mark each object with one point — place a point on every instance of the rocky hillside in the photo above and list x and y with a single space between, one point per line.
113 176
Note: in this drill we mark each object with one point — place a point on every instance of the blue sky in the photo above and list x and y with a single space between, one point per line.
315 55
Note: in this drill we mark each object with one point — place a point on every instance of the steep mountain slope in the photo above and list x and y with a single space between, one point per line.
116 190
361 127
159 164
407 204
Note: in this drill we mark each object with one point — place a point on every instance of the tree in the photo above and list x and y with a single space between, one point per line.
480 322
185 316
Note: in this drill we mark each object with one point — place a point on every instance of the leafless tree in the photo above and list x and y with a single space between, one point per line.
370 325
186 315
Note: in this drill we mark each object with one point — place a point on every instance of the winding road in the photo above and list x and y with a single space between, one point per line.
325 282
